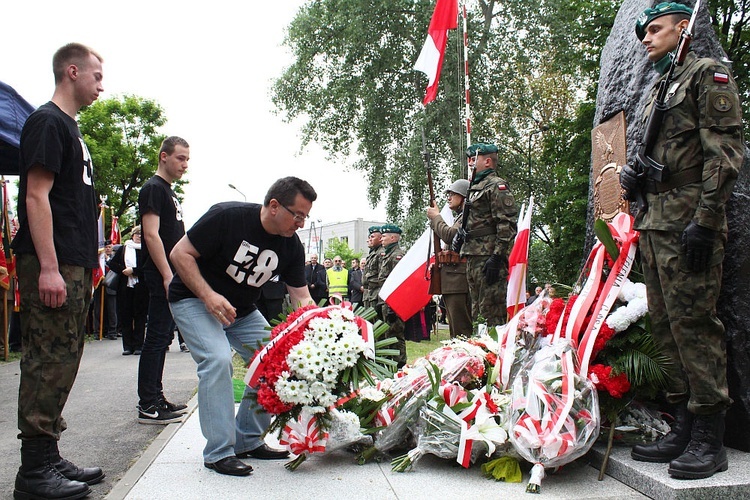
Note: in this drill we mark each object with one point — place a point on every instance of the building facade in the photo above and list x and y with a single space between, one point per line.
316 236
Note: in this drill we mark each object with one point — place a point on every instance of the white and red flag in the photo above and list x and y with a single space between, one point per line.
518 261
98 274
406 290
114 234
430 60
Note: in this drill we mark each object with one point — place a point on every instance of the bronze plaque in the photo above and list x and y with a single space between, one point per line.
609 153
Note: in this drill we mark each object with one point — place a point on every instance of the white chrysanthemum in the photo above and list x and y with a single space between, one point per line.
327 399
371 393
293 391
630 291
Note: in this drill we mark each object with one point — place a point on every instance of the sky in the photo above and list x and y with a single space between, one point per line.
210 65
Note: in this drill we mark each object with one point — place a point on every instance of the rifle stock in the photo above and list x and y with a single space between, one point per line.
433 273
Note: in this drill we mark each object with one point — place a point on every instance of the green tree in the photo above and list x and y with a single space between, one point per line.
121 134
352 78
337 246
729 18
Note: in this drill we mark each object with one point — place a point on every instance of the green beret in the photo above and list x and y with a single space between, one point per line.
662 9
390 228
374 229
480 148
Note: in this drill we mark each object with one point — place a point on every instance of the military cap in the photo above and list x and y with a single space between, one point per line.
662 9
374 229
461 186
480 148
390 228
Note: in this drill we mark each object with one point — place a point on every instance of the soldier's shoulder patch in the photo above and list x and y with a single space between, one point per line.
722 102
502 187
721 77
399 256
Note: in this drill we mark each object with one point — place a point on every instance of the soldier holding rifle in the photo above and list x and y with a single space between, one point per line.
685 172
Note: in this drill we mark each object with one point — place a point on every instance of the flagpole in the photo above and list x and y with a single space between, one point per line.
467 94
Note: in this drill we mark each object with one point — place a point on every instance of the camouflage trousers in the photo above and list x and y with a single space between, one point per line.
52 348
375 304
487 301
682 307
396 328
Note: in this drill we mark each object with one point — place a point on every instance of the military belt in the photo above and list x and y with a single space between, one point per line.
449 257
482 231
689 176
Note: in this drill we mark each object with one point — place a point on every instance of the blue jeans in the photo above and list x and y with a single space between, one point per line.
159 334
211 346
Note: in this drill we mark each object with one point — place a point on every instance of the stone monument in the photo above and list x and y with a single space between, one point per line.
625 81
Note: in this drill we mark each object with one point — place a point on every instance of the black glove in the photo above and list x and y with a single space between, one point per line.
458 240
390 317
491 269
629 182
698 243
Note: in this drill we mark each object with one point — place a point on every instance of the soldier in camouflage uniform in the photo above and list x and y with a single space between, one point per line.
371 270
56 245
683 232
491 228
390 255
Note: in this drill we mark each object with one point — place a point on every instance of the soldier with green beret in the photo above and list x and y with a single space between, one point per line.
371 270
682 237
491 229
390 255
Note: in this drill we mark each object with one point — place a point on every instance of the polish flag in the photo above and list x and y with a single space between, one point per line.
98 274
406 290
114 234
430 60
518 261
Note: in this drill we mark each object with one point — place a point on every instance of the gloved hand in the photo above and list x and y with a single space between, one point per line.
698 243
491 269
629 182
390 317
459 240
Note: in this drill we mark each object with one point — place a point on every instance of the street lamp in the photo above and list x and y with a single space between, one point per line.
243 194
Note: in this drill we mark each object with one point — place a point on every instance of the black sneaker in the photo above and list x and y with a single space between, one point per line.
157 415
172 407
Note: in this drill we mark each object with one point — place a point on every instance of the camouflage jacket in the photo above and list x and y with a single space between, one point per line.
389 257
370 280
491 224
702 133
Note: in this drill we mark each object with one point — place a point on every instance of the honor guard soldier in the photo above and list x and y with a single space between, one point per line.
683 230
390 254
371 271
453 284
490 227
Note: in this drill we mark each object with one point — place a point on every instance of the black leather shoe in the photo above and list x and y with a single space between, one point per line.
264 452
231 466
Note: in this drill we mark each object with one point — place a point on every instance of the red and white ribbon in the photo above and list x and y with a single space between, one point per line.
304 436
453 394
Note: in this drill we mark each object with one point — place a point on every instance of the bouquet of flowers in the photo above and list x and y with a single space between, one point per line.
457 423
554 411
411 388
314 363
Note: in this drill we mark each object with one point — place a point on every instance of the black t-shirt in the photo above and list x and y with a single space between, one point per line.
51 138
157 197
237 255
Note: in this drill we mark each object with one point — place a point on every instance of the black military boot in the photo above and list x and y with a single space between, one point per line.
37 478
88 475
670 446
705 455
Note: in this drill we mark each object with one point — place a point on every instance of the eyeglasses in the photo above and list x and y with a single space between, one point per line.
296 217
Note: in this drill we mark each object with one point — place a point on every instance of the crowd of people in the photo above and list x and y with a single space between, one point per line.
221 281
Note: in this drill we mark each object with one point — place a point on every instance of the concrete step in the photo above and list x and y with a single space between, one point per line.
653 480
